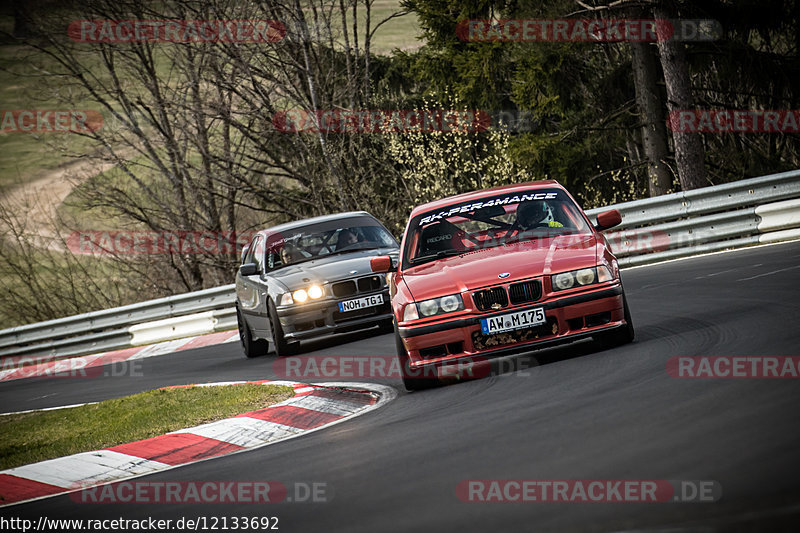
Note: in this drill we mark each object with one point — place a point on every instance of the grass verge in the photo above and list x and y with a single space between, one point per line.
32 437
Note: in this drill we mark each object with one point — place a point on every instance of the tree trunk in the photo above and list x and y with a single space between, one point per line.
651 112
689 153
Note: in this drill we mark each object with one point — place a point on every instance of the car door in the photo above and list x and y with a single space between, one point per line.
251 290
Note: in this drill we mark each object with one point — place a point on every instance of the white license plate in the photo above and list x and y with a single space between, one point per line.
361 303
512 321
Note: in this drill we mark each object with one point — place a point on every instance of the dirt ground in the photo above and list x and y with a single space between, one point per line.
32 207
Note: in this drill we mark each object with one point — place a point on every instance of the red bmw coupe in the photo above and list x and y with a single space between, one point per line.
504 270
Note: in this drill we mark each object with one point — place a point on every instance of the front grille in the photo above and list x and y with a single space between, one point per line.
455 347
345 288
433 352
575 324
485 342
484 300
368 284
441 350
598 319
349 288
527 291
305 326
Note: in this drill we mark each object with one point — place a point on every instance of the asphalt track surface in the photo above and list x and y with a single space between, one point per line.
574 412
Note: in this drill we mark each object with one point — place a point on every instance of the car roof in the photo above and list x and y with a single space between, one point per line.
476 195
314 220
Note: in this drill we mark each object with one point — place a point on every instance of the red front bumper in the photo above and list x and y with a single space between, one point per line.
449 340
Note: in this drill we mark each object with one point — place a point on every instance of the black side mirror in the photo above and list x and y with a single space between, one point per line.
248 269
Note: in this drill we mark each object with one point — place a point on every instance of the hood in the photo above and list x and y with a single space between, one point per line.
329 268
481 268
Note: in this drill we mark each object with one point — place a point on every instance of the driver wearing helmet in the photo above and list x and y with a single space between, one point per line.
532 215
290 253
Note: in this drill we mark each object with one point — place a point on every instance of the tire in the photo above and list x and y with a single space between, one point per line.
622 335
252 348
387 326
282 347
411 382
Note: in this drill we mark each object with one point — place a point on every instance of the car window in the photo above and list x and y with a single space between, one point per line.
491 221
251 250
258 253
337 236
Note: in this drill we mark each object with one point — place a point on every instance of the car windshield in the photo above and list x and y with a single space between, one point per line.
340 236
490 222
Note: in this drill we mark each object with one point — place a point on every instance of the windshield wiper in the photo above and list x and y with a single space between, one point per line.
438 255
348 250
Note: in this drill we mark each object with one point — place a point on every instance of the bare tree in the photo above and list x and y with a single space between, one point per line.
189 125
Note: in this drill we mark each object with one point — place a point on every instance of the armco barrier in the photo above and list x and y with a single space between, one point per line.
743 213
102 331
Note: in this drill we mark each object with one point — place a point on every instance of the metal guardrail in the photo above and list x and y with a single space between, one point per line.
703 220
105 330
730 196
676 225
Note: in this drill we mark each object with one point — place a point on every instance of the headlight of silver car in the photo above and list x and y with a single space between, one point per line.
312 292
579 278
286 299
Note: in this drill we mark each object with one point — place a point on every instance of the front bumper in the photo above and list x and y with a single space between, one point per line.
316 319
568 318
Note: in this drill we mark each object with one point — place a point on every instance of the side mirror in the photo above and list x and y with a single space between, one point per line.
381 264
248 269
608 219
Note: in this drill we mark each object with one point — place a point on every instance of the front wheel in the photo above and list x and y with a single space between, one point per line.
282 347
387 326
412 379
252 348
621 335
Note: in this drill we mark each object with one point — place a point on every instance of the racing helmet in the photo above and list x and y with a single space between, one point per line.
531 214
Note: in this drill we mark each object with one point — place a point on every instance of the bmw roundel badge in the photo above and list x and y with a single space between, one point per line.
504 275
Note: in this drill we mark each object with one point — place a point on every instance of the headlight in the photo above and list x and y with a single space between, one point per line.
450 303
315 292
410 312
300 296
562 281
286 299
585 276
604 274
434 306
428 307
578 278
